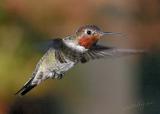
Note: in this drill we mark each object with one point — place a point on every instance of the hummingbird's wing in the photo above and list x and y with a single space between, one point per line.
99 51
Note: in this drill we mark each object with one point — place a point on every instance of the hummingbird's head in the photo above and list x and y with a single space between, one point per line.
89 34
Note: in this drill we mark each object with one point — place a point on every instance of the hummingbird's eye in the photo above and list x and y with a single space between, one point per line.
89 32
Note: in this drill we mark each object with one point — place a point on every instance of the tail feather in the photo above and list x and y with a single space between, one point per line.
26 88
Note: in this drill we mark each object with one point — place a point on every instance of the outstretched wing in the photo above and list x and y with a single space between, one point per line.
99 51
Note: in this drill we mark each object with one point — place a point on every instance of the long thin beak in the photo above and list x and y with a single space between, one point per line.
112 33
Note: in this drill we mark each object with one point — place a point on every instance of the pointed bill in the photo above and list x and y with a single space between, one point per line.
113 33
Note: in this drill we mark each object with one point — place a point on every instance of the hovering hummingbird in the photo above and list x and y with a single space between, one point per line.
63 54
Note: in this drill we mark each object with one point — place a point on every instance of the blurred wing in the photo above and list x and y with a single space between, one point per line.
44 45
99 51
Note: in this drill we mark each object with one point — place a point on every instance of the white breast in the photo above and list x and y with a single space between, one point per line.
75 46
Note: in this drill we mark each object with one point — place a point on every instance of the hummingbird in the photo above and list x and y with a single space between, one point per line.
64 53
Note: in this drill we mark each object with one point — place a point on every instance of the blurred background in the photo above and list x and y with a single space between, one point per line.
125 85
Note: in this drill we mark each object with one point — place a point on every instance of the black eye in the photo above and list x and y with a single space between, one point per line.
89 32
